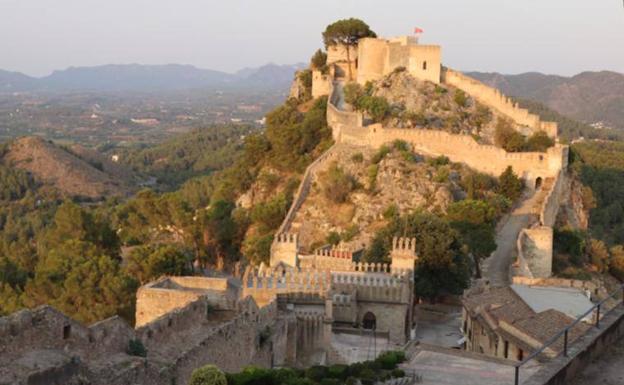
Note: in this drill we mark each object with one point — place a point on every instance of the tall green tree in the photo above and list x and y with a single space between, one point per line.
347 32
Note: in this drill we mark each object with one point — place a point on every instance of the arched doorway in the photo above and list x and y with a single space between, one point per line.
369 321
538 183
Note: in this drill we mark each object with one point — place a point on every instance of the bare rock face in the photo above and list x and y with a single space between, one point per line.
396 184
574 211
422 104
63 170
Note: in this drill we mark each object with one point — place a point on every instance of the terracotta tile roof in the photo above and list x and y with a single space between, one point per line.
495 305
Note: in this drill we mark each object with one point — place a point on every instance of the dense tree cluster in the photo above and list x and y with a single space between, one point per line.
185 156
383 368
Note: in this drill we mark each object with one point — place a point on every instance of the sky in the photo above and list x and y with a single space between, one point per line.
551 36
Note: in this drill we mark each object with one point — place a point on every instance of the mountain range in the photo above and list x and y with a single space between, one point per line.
590 97
140 78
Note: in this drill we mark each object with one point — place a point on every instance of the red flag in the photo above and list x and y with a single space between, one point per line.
418 30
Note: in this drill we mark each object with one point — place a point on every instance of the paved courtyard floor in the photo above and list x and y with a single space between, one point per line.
445 332
456 369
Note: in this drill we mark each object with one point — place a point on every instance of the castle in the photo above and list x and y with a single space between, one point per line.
287 312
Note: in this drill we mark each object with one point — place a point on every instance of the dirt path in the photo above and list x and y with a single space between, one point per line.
497 267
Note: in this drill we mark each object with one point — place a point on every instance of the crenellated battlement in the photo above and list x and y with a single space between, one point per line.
496 100
285 249
265 284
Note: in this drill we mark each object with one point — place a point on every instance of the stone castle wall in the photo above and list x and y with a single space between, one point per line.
169 293
264 287
464 149
493 98
230 345
379 57
550 206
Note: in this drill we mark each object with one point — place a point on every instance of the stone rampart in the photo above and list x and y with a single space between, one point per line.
47 328
381 288
494 99
248 337
464 149
304 187
264 286
169 293
552 202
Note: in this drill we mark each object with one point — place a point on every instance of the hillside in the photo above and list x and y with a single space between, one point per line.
146 78
590 97
187 155
91 177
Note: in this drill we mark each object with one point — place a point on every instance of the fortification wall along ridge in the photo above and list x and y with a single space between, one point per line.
493 98
464 149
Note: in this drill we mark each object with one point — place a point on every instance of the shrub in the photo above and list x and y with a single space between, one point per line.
400 145
539 141
376 106
390 360
353 92
439 161
357 158
316 373
460 98
392 211
440 90
381 153
509 185
572 243
350 233
337 184
398 373
442 175
508 138
319 60
338 371
333 238
372 171
616 266
136 348
599 254
208 375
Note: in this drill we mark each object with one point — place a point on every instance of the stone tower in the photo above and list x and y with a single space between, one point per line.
285 249
403 254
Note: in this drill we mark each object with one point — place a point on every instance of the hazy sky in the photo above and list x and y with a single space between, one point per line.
552 36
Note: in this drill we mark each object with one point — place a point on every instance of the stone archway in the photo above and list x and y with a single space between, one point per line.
369 321
538 183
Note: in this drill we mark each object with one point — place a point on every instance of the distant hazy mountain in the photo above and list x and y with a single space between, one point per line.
589 97
15 81
136 77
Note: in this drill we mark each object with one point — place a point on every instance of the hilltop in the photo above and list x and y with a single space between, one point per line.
76 171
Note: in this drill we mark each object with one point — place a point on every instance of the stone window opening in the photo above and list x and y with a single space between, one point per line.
520 355
66 332
506 349
425 65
